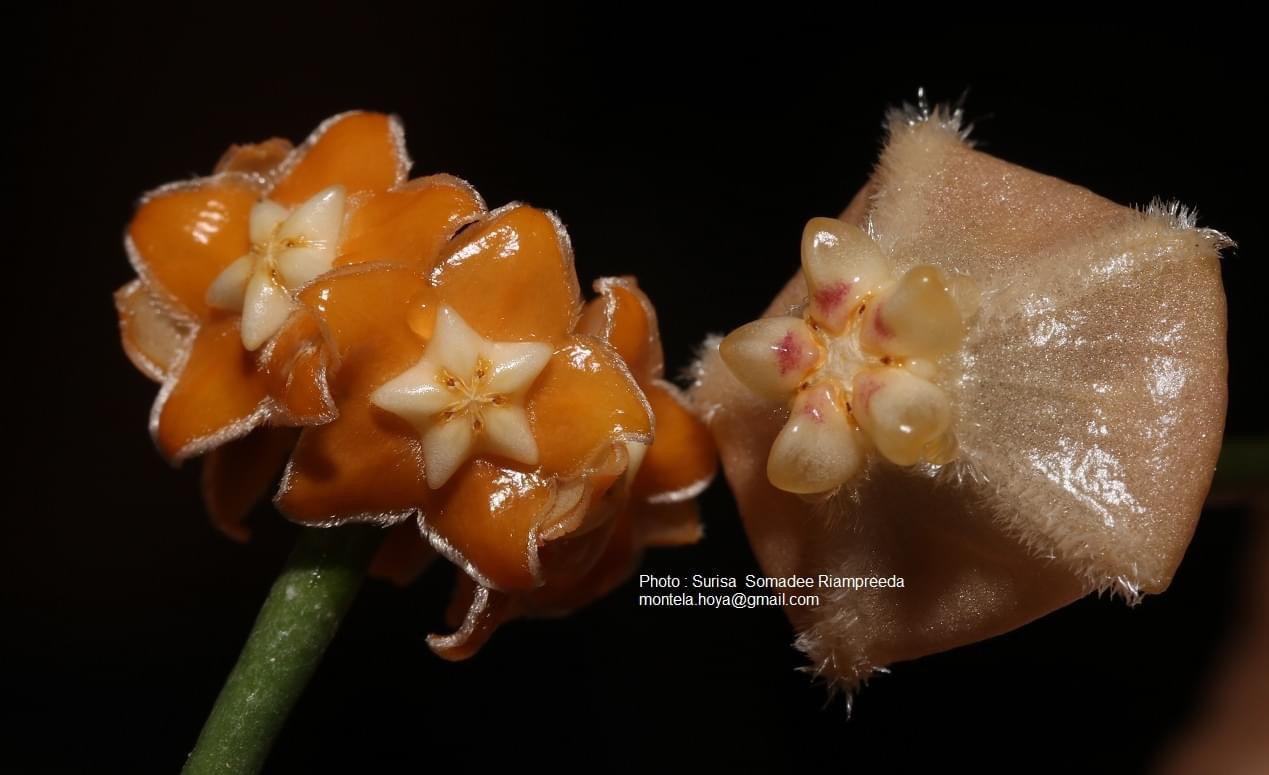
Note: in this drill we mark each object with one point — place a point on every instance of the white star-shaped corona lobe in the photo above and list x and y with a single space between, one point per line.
466 396
288 250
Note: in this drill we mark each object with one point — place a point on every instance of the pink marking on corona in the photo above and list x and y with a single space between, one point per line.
812 410
879 326
864 392
828 298
788 353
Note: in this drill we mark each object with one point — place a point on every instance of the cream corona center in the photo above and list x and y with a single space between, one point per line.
289 248
466 395
860 369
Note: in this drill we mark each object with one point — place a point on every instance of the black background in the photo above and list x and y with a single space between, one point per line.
689 158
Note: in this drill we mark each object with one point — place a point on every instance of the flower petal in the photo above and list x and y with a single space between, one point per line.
682 460
260 158
367 464
624 317
238 474
218 395
409 225
365 311
486 610
964 578
186 234
364 466
360 151
511 277
486 521
585 398
297 364
153 338
402 556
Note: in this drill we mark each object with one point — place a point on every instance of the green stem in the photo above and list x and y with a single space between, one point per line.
296 623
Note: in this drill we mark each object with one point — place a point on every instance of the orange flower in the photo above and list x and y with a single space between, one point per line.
455 378
212 315
471 399
654 504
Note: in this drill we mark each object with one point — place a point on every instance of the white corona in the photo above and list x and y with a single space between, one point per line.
289 248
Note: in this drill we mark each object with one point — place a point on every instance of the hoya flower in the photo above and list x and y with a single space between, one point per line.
995 385
652 505
473 404
213 314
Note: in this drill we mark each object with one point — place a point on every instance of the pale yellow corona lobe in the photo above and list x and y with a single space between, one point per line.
289 248
860 370
773 356
466 396
842 266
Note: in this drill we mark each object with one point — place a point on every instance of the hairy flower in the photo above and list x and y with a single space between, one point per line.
996 385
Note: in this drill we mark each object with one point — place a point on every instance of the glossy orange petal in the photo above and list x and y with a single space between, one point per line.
585 398
402 556
367 463
260 158
486 521
296 364
238 474
682 460
366 312
219 394
511 277
364 466
361 151
409 225
184 234
153 337
623 316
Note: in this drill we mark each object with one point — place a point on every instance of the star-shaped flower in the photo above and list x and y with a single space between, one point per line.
466 397
859 368
652 503
289 248
470 400
1085 397
219 260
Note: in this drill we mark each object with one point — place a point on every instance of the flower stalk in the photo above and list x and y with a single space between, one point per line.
297 622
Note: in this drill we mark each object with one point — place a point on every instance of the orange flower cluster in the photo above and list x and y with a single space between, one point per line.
413 359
